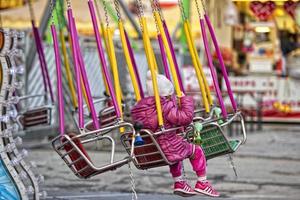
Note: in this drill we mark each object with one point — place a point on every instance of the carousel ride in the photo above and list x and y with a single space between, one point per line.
209 128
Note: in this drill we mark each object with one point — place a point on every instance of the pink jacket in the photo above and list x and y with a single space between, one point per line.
174 146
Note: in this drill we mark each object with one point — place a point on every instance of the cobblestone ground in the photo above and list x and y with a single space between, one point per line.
268 168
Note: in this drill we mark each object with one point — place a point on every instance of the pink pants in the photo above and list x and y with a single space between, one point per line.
198 161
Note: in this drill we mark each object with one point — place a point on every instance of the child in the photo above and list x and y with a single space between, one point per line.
174 147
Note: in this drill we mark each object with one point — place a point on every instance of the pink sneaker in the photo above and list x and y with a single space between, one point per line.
183 189
206 188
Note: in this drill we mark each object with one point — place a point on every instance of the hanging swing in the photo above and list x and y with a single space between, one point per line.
107 115
70 146
210 132
148 153
40 116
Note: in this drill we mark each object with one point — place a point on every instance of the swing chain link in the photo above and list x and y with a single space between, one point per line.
132 182
155 9
233 165
198 8
68 4
159 9
117 7
105 13
98 11
203 6
140 13
51 11
31 10
183 15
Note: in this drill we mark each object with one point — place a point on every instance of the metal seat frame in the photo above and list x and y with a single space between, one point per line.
126 139
38 109
60 142
212 123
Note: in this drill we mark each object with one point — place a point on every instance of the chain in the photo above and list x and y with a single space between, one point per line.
31 10
134 194
183 15
68 4
204 6
105 13
117 7
51 11
233 165
159 10
198 8
98 11
140 13
154 9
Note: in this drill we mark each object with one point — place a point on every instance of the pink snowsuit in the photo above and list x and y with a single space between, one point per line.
174 147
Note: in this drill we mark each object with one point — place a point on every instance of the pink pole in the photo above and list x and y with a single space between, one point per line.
102 58
212 69
77 70
59 81
223 68
85 80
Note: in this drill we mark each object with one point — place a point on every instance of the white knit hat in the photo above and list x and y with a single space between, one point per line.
165 86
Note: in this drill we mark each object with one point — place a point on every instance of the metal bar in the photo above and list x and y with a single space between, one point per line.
42 29
130 17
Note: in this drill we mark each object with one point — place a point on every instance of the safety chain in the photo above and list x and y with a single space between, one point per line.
68 4
105 13
155 9
51 11
232 165
31 10
204 6
158 8
198 8
140 13
132 182
183 15
117 7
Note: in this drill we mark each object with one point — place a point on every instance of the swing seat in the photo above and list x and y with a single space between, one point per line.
214 142
71 148
107 116
35 117
149 155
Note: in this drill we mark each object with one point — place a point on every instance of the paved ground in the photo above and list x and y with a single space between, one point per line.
268 168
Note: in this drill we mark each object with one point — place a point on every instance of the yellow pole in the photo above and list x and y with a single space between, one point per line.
129 63
153 72
200 66
198 72
106 46
113 62
169 54
68 69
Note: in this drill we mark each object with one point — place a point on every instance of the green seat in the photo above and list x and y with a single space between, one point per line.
234 144
214 142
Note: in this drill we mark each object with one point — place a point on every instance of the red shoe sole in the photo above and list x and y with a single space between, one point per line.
184 194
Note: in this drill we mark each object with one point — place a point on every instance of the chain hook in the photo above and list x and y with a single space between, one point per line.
117 7
183 15
68 4
32 16
155 9
140 13
51 11
132 182
105 13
